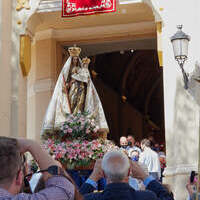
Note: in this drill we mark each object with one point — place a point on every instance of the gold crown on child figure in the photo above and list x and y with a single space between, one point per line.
86 60
74 51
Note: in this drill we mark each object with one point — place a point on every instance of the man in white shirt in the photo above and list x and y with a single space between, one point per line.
150 158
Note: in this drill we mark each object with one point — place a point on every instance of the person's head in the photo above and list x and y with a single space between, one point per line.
123 142
162 147
115 165
86 62
157 147
145 143
75 61
131 140
85 65
151 139
137 144
11 173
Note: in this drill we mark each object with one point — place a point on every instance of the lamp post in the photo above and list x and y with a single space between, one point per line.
180 43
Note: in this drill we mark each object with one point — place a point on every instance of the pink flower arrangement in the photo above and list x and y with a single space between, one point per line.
78 141
76 152
79 126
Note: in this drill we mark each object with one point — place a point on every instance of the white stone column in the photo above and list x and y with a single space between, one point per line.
181 110
12 84
40 84
5 69
0 27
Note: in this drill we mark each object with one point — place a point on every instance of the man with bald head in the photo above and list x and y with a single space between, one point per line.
123 142
116 169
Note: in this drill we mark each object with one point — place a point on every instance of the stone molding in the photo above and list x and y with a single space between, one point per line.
92 33
40 86
129 1
56 5
50 6
46 34
180 169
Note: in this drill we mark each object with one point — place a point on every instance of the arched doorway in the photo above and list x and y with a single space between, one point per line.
130 85
132 27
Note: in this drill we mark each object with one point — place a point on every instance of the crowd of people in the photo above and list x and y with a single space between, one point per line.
116 167
147 152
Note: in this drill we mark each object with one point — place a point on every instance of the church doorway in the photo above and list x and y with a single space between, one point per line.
123 48
129 82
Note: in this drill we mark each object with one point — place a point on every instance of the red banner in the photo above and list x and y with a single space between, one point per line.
71 8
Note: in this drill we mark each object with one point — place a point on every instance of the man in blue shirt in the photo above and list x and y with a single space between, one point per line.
116 168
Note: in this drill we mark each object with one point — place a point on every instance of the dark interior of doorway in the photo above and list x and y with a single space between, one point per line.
130 86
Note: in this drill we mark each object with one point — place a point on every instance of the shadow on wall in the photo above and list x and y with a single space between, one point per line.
186 125
183 145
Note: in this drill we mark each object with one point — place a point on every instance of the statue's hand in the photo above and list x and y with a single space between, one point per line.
68 85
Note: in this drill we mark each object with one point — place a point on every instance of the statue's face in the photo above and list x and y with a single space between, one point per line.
75 61
85 65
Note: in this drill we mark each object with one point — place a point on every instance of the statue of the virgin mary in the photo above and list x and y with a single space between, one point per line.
74 92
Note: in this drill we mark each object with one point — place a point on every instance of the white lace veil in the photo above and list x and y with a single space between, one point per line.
59 105
49 119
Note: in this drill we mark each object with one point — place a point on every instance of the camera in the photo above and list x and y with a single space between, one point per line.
130 144
192 175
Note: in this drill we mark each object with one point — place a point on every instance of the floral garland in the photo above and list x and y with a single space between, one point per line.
78 153
78 141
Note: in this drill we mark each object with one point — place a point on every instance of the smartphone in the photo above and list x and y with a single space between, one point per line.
192 175
35 179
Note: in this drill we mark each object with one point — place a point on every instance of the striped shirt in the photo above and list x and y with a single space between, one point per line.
57 188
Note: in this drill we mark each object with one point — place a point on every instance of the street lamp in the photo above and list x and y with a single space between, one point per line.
180 43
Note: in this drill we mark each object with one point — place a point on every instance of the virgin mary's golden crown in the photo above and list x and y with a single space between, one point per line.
86 60
74 51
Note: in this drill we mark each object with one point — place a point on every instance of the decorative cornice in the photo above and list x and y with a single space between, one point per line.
180 169
155 12
41 86
46 34
131 29
129 1
23 4
56 5
50 6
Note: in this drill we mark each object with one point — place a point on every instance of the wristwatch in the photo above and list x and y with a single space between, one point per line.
58 171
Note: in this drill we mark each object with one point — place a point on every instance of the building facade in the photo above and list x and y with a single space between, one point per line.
38 25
